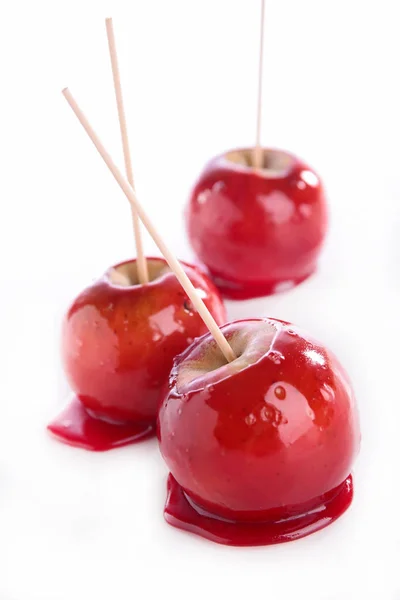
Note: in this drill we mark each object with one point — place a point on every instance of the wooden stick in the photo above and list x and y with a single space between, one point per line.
258 151
143 274
169 257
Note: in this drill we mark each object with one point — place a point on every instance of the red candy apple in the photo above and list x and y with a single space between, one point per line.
259 449
257 231
119 342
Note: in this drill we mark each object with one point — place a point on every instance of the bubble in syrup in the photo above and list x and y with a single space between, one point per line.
250 419
276 357
272 415
280 392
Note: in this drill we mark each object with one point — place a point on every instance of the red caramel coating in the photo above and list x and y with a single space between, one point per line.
271 437
258 232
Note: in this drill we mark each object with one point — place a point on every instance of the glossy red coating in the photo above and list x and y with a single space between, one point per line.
181 512
257 232
265 443
119 342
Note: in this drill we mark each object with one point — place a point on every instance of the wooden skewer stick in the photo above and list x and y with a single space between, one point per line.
258 151
143 274
169 257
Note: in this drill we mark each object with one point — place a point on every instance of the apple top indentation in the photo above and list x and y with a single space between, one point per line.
204 359
276 163
125 274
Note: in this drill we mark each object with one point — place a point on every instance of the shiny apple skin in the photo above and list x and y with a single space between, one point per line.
257 235
118 343
244 450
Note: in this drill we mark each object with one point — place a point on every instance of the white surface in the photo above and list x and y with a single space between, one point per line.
80 525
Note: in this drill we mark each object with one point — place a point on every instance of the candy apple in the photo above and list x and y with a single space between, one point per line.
118 344
258 231
259 449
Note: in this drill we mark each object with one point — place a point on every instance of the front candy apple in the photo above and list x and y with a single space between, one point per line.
260 449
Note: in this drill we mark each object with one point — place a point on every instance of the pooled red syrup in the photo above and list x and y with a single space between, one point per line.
182 512
76 427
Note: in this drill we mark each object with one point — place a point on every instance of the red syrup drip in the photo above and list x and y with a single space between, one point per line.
245 290
76 427
183 514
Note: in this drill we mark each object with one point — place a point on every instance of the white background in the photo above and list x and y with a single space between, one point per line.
90 526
